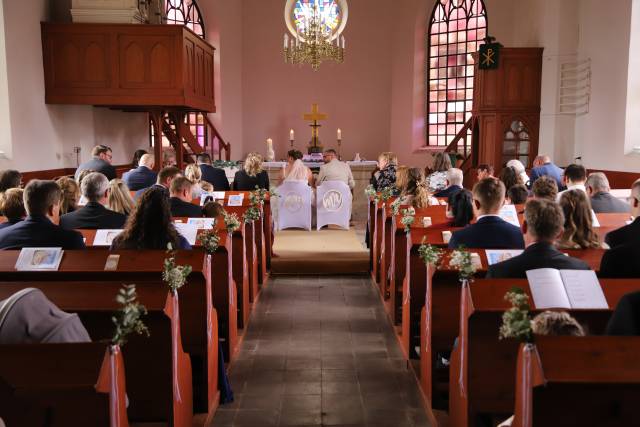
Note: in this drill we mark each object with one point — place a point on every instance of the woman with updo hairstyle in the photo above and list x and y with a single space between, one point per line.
252 175
578 223
417 191
70 194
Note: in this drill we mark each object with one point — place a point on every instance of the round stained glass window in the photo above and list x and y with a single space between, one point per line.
333 14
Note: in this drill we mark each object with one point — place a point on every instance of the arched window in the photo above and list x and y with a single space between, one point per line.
455 31
187 12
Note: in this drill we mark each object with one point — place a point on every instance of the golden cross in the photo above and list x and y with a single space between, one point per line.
314 115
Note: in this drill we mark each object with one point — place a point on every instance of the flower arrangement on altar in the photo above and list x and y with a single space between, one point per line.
127 319
175 276
516 322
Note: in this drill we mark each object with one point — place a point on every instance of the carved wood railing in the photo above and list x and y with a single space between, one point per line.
463 149
215 142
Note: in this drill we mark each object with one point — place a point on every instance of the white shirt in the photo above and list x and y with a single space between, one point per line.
572 187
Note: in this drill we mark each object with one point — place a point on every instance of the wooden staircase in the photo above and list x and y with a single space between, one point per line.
465 145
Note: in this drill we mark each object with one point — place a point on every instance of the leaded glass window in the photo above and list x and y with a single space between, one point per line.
516 143
456 29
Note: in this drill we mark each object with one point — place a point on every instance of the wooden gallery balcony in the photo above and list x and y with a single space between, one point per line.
131 67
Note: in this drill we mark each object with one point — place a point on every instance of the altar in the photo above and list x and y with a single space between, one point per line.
361 175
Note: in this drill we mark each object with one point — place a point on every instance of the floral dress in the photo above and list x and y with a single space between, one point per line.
385 178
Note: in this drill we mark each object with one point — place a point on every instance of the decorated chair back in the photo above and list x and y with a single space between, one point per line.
294 205
333 201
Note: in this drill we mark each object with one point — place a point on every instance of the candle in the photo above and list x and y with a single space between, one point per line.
344 43
269 141
339 134
291 135
286 41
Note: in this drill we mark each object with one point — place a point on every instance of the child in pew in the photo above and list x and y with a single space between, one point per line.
212 209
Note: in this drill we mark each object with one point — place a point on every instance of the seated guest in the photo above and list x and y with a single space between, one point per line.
335 170
181 197
10 178
460 208
578 223
120 199
70 194
545 188
556 323
490 231
292 156
417 192
574 178
149 226
163 181
169 157
629 233
212 209
517 195
543 224
520 170
437 179
484 171
12 206
214 176
601 199
94 215
386 174
193 173
454 183
137 155
252 175
620 262
625 320
40 229
100 162
402 179
142 176
510 177
542 166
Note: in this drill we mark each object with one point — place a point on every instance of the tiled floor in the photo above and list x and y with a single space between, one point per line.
320 351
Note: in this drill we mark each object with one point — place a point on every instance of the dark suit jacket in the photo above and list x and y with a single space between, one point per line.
490 232
8 224
92 216
39 231
243 182
624 235
625 320
215 177
606 203
548 169
181 208
452 189
538 255
98 165
142 190
141 177
621 262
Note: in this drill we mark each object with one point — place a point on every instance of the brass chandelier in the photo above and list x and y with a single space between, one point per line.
316 44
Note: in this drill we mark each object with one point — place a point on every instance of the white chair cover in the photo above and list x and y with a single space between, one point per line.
294 205
333 203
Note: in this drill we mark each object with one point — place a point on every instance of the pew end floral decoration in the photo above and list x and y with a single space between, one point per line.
256 201
371 193
175 276
231 221
516 322
430 254
273 191
127 319
408 218
462 260
209 240
395 206
386 193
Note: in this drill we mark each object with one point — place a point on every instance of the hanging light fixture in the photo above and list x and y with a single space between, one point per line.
315 42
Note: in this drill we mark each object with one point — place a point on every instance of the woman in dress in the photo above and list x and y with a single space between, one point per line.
385 176
437 180
252 175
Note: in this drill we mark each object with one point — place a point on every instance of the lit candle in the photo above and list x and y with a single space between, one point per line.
291 135
344 44
339 134
286 41
269 141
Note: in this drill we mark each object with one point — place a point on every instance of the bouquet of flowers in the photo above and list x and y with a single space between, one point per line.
516 322
174 275
429 254
231 221
461 261
127 319
408 217
209 240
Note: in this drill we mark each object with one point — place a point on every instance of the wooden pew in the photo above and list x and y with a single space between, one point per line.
62 385
578 381
482 380
82 273
383 228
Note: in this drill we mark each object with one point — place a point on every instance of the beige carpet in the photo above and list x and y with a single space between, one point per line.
328 251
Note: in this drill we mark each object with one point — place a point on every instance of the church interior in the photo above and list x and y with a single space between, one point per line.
354 213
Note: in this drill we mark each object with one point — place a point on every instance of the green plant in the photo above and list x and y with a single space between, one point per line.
209 240
516 322
461 260
127 319
395 206
386 193
370 192
175 276
408 217
430 254
231 221
225 164
252 214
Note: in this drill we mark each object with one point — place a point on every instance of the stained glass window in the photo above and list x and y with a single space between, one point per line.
329 11
516 143
456 29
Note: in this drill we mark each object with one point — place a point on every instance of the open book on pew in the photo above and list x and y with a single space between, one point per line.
570 289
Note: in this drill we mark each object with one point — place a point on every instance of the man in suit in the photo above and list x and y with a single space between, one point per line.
163 181
101 158
542 166
629 233
181 198
335 170
543 224
94 215
454 183
600 193
143 176
490 231
214 176
574 178
40 229
625 320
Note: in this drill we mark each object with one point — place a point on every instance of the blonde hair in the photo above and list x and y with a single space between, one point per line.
417 187
206 186
119 197
12 204
253 164
193 173
402 178
70 194
389 157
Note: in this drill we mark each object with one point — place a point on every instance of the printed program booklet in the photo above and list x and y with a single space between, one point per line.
36 259
570 289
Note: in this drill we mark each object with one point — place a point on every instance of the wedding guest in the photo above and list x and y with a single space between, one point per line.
542 166
402 179
385 176
578 224
212 175
193 173
70 194
101 158
510 177
212 209
169 158
163 181
181 197
252 175
454 183
556 323
574 178
143 176
10 178
460 208
484 171
417 191
437 180
625 320
120 199
600 193
545 188
629 233
149 226
520 170
12 206
517 195
135 162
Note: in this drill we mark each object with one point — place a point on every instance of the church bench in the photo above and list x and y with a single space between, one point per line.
195 328
62 385
599 370
482 367
375 237
383 230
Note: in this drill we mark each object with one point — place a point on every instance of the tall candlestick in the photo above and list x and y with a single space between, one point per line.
339 134
291 135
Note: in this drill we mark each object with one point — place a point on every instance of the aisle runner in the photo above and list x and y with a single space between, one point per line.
328 251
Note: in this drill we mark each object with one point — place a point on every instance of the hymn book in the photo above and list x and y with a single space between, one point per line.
570 289
235 200
37 259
